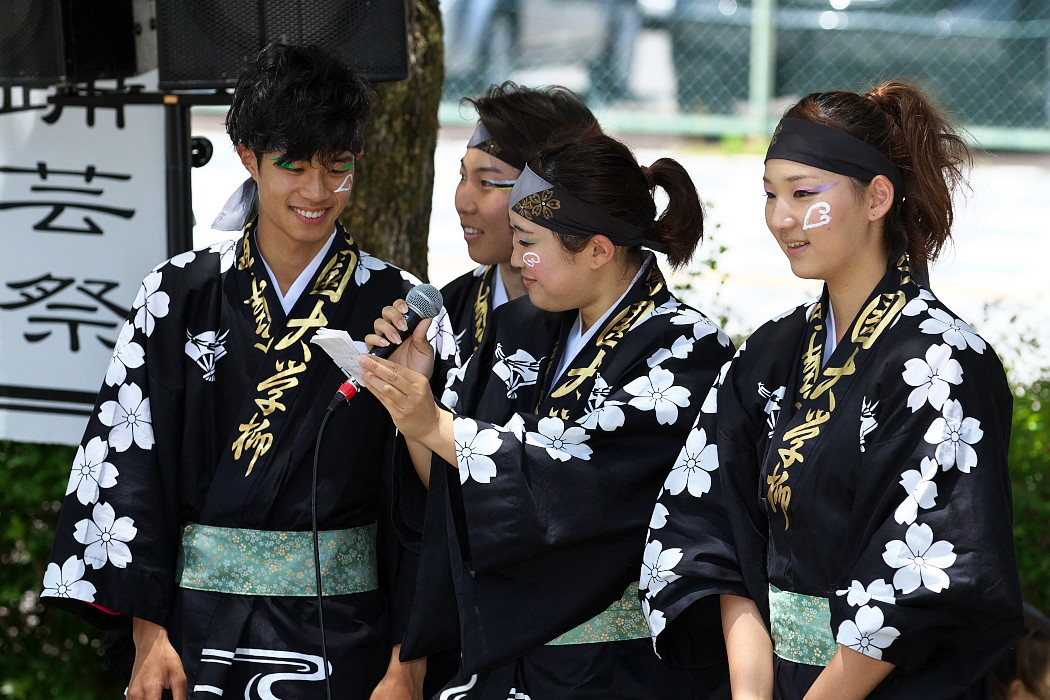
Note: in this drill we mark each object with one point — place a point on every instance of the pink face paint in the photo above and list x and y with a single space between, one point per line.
346 183
531 258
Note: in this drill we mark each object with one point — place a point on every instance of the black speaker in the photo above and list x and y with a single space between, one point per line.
51 42
203 44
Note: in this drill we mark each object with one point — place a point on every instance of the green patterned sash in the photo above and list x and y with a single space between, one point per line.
276 563
801 626
619 622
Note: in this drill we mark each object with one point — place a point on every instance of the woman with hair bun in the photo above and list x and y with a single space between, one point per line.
865 546
557 435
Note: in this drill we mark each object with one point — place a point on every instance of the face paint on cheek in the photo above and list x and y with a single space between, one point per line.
823 210
531 258
346 183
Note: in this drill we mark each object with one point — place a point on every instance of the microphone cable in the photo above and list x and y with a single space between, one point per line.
317 552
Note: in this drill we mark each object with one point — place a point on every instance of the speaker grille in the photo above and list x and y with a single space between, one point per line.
31 44
203 44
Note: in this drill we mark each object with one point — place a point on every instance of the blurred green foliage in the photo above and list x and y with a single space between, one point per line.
44 653
1030 474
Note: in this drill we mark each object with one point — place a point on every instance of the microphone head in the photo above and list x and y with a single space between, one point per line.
425 300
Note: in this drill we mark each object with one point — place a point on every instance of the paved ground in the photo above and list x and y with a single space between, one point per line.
994 277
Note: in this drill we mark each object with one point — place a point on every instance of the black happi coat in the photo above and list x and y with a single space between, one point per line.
877 481
209 414
545 517
468 300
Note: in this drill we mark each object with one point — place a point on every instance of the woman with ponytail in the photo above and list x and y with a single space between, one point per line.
865 548
553 441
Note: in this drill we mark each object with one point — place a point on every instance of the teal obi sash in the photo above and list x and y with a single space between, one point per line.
801 627
276 563
619 622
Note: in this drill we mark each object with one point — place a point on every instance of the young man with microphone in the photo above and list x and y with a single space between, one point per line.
187 526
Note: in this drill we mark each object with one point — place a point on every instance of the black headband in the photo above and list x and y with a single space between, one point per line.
832 149
552 207
483 141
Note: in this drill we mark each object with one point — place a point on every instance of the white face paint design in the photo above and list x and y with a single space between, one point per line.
823 218
531 258
346 183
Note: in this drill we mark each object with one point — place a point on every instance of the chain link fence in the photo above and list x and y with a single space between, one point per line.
719 67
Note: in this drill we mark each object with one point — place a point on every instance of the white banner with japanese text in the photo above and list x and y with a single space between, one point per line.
82 220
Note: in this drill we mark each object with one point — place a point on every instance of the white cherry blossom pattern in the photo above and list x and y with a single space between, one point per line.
659 517
441 336
68 581
657 392
954 331
680 349
91 471
710 404
129 418
867 634
702 325
774 398
227 252
474 449
932 378
919 304
183 259
127 354
692 470
657 567
562 443
655 618
954 433
105 537
150 303
450 397
919 560
606 415
366 263
922 491
784 314
878 590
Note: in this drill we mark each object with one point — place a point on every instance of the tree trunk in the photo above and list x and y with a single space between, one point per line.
389 212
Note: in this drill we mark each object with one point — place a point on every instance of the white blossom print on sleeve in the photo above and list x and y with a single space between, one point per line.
561 442
658 392
919 560
702 325
366 263
91 472
150 303
105 537
68 581
658 567
127 354
866 634
857 594
932 377
954 331
921 491
129 419
606 415
692 470
474 450
954 434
